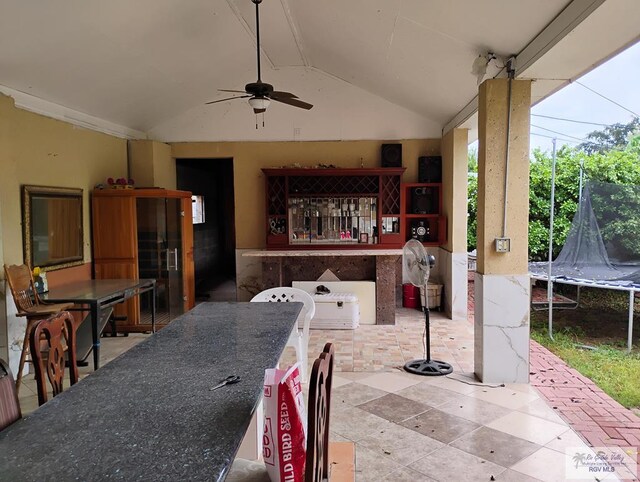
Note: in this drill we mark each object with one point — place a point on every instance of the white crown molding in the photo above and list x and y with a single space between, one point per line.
55 111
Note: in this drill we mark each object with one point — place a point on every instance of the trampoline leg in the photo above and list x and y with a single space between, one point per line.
630 334
550 301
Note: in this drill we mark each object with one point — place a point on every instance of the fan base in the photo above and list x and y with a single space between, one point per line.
433 368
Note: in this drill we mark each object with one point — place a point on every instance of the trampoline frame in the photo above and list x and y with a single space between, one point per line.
591 284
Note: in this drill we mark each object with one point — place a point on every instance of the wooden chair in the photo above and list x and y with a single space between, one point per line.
29 305
318 413
51 361
317 461
9 404
299 339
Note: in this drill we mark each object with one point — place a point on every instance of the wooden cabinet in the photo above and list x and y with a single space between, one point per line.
422 217
333 208
145 233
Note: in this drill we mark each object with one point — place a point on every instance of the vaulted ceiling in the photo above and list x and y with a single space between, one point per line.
372 68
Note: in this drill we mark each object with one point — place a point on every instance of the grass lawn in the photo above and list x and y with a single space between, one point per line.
599 322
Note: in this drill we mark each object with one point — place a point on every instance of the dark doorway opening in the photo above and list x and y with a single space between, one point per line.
214 240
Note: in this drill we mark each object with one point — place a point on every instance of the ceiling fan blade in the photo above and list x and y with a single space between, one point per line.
281 95
293 102
228 98
227 90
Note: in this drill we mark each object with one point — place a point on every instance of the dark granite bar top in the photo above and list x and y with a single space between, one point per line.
149 414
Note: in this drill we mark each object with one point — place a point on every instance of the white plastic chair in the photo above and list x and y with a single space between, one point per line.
299 339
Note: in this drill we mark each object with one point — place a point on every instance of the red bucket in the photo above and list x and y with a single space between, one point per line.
410 296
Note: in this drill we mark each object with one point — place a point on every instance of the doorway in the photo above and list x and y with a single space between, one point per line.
214 234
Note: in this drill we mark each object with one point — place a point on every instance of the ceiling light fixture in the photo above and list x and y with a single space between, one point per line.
259 104
479 67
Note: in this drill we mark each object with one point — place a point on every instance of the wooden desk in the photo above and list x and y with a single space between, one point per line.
101 294
149 414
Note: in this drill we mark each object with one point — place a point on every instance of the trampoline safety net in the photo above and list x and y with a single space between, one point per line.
603 243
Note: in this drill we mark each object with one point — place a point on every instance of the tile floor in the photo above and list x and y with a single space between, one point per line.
411 428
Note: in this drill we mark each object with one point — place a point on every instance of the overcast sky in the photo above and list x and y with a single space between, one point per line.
618 79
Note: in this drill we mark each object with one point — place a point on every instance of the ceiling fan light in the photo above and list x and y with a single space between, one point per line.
260 103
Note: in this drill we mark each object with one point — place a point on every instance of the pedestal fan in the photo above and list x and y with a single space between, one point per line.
418 265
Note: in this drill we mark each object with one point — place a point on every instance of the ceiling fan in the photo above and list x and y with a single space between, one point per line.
260 93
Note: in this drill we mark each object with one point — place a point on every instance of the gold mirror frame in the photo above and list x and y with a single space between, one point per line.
54 193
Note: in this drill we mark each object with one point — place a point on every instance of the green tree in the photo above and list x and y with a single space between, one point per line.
613 137
472 199
617 167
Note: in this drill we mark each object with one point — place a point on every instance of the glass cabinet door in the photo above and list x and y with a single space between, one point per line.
174 256
332 220
160 254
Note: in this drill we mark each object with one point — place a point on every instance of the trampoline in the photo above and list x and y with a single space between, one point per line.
602 249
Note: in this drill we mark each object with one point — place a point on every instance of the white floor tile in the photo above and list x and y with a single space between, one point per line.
338 381
503 396
545 464
528 427
389 382
456 382
539 408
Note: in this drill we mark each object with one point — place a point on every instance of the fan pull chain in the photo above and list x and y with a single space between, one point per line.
257 120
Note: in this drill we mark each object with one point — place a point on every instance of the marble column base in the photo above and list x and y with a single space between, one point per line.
454 277
501 348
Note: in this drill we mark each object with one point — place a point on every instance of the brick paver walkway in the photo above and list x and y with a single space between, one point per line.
597 417
591 412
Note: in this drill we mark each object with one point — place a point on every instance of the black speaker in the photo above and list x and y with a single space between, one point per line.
391 155
422 200
430 169
420 230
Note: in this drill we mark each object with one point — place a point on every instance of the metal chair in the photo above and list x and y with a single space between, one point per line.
317 458
9 404
50 362
299 339
29 305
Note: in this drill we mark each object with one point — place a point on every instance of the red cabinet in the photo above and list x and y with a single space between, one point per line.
422 213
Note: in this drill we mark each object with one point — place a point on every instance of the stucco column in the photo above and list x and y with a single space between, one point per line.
502 281
454 206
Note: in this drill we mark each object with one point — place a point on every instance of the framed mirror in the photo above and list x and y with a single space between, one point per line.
52 226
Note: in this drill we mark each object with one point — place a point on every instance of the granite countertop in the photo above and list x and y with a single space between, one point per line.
149 414
324 252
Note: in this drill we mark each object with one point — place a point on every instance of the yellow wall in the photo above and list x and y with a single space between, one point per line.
164 167
141 162
41 151
250 157
151 164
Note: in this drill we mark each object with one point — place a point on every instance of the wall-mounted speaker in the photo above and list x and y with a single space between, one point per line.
391 155
422 200
430 169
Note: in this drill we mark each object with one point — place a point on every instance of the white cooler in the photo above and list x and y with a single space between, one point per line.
336 311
